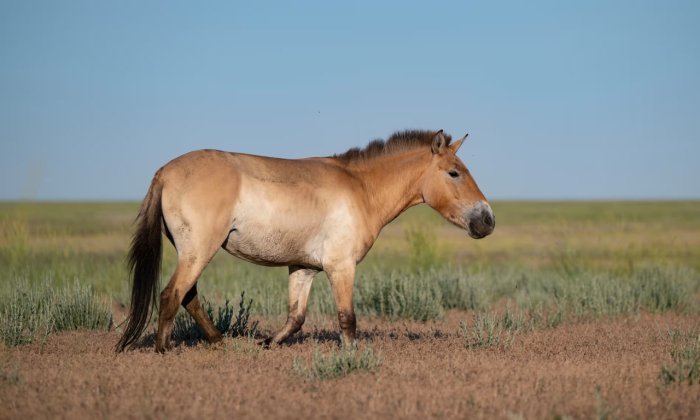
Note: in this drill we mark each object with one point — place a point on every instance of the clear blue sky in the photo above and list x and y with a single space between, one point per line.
562 100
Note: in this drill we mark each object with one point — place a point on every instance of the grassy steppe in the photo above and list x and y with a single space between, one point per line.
569 310
546 262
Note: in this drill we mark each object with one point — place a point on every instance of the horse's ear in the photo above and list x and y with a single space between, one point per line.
456 145
439 143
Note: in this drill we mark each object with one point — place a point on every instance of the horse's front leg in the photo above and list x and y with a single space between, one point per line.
342 278
300 280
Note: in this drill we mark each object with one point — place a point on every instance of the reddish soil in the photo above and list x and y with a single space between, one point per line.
427 372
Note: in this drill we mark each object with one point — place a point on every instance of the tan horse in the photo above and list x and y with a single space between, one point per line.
315 214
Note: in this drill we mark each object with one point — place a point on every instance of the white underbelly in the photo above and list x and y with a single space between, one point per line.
272 234
267 245
298 230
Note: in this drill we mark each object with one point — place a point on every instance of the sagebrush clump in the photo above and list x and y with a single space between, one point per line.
338 363
32 312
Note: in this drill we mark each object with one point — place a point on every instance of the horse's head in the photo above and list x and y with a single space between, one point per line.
449 188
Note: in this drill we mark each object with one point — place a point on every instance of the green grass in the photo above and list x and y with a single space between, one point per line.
487 330
338 363
550 262
587 294
684 366
398 295
30 313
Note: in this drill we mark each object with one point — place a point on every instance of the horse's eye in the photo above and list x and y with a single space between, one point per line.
453 173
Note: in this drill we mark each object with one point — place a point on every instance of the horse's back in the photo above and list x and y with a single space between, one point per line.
265 210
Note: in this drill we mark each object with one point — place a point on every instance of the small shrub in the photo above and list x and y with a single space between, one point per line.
240 327
24 317
78 307
685 358
664 289
486 331
399 295
513 320
460 290
541 317
31 312
186 329
338 363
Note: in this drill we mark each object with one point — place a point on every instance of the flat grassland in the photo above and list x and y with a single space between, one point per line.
575 309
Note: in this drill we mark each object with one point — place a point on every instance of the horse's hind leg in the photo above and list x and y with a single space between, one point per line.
182 281
300 280
191 303
194 308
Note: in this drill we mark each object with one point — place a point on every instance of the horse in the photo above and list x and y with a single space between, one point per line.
311 215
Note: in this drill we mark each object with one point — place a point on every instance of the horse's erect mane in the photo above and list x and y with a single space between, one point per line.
397 142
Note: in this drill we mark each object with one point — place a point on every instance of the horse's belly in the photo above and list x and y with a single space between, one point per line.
282 226
267 245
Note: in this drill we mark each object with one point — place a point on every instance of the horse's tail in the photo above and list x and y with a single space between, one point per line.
144 264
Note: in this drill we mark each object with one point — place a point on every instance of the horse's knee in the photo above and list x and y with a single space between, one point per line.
169 302
166 297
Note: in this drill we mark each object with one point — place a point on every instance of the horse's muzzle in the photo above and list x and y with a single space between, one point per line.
480 220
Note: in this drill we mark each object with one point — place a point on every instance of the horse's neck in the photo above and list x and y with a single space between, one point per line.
392 184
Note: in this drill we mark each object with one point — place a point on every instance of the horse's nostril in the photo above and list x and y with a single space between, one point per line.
488 220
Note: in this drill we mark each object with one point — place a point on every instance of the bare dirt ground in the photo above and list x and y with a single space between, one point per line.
427 372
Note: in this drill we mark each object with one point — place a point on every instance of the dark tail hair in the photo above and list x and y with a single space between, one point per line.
144 264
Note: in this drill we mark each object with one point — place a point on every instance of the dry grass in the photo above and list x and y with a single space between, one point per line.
578 370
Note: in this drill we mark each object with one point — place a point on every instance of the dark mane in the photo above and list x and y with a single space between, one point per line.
397 142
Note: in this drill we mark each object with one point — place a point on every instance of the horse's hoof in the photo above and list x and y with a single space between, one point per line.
216 339
162 349
266 343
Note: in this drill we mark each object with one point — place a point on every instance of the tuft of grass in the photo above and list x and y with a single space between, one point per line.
9 375
30 313
602 408
461 290
24 318
541 317
486 331
186 329
338 363
685 358
513 320
78 307
399 295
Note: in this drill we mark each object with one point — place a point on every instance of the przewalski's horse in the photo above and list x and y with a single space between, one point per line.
316 214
